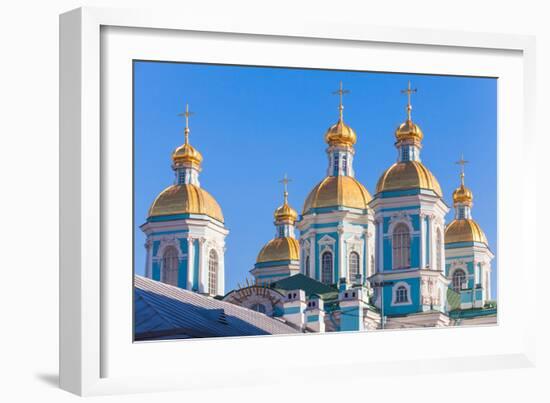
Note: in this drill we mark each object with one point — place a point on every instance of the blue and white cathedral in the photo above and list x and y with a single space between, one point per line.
360 262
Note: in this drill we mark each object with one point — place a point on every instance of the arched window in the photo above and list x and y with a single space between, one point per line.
401 295
353 266
438 250
326 268
306 269
459 278
335 166
213 272
401 242
258 308
170 266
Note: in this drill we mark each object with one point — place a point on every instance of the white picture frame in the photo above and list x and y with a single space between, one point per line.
92 347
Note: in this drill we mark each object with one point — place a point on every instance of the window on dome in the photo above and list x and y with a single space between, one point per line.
281 231
401 295
326 268
212 272
353 266
181 176
344 163
170 266
459 278
405 154
401 243
335 166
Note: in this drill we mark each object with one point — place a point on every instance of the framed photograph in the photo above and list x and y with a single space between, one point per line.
252 189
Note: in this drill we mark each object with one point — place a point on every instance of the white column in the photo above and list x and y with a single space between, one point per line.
381 244
342 269
312 257
203 267
190 262
149 259
431 255
221 271
422 241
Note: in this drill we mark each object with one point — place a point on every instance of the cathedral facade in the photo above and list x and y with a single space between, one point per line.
359 262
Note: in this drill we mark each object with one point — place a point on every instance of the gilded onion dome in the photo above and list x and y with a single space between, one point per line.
408 175
340 134
284 247
186 154
409 131
333 191
186 199
462 195
408 172
186 196
464 230
285 213
279 249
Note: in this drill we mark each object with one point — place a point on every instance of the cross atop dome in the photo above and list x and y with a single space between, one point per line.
341 92
409 91
186 114
285 181
462 162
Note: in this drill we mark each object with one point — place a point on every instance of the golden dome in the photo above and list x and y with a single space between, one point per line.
279 249
409 131
285 213
334 191
408 175
185 199
464 230
186 154
463 195
340 134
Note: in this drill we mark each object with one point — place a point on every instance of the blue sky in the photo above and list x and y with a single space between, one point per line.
254 124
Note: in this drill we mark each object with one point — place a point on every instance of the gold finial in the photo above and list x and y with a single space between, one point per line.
409 91
186 114
462 162
341 92
285 182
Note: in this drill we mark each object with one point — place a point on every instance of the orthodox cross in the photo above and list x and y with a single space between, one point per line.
186 114
341 92
462 162
409 91
285 182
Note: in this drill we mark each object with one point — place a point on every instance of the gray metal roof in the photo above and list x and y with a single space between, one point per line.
163 311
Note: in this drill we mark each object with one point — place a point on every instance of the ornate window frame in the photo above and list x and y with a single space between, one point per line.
394 289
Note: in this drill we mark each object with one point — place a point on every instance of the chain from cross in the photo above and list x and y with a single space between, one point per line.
409 91
186 114
341 92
